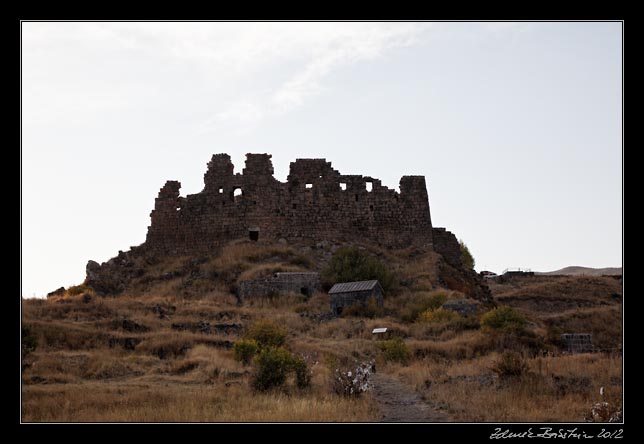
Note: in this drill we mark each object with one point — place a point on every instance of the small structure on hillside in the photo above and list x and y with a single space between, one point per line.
304 283
381 333
578 342
347 294
517 272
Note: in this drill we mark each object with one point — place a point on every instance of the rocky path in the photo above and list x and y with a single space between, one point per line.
399 403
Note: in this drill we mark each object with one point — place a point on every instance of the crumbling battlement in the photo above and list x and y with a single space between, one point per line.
315 203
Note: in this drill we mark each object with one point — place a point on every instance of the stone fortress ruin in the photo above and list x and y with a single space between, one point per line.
315 204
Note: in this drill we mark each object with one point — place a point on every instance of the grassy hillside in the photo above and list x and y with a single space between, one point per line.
163 349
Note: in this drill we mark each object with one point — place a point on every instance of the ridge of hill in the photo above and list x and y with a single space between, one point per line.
163 348
583 271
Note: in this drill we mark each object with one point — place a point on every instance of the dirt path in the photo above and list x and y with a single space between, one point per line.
399 403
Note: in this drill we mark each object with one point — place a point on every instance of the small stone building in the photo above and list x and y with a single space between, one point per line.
283 282
347 294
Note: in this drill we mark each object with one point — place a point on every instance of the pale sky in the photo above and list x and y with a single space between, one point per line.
515 126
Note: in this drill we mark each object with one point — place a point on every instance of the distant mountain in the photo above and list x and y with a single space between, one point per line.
583 271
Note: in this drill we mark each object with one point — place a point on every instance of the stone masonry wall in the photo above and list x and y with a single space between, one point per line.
446 244
288 282
340 301
315 203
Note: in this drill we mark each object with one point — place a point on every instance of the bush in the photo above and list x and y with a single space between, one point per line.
350 264
267 334
503 320
395 350
245 350
510 364
76 289
421 305
353 383
466 256
438 316
273 367
302 373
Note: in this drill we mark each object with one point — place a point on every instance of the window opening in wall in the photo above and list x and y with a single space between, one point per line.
237 192
369 186
221 190
295 206
305 291
253 234
371 207
356 197
343 186
309 186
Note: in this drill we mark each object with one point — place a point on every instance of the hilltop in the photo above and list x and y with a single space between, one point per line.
584 271
162 349
224 314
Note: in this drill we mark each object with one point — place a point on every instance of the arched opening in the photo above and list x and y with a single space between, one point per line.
236 194
369 186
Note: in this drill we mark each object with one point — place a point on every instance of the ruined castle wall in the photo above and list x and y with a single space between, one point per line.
289 282
446 244
315 203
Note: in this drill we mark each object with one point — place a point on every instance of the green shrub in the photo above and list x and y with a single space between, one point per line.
302 373
350 264
466 256
510 364
421 305
503 320
273 366
267 334
395 350
438 316
76 290
245 350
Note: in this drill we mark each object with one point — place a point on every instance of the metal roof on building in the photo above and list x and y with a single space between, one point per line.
350 287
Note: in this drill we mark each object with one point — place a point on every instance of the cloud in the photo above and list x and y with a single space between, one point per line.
315 51
236 74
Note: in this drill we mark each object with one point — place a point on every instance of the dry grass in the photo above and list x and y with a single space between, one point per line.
91 402
556 389
90 365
